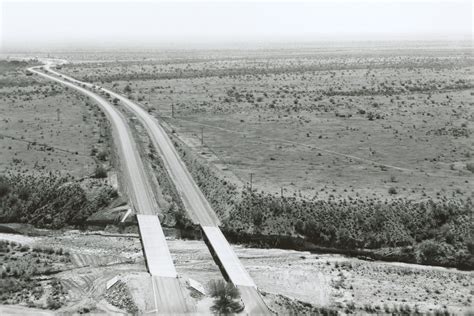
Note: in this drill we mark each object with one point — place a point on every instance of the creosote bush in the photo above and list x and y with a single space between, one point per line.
4 187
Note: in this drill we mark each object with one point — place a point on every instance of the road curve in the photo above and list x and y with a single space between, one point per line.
196 204
139 189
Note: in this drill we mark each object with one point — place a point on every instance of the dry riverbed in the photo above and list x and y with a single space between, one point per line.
286 277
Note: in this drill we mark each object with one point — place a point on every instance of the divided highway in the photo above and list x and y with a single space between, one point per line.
197 206
169 297
199 210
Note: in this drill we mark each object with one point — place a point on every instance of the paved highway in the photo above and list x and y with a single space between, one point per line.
169 297
194 201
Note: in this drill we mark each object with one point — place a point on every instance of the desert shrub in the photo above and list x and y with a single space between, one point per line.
299 226
102 156
470 167
127 89
257 217
23 193
24 248
392 190
4 187
126 302
53 303
441 312
226 296
100 172
430 250
181 217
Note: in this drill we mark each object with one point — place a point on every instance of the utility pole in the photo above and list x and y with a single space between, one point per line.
172 110
251 178
58 111
202 135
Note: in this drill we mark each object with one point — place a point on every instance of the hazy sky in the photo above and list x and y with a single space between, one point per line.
74 24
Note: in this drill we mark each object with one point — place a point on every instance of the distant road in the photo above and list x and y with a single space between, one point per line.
168 295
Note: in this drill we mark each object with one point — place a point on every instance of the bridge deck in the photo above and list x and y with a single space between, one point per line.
254 304
170 298
227 257
157 254
167 290
234 271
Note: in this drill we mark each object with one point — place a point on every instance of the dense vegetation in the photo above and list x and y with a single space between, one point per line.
14 67
48 200
428 232
119 296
